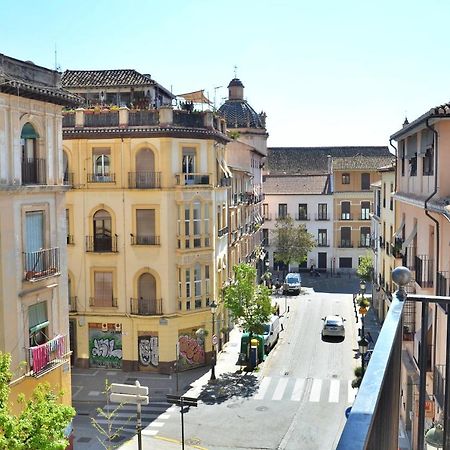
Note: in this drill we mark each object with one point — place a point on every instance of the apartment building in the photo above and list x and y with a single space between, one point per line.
146 215
422 222
33 275
327 185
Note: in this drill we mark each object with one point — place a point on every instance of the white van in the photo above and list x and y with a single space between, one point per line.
292 283
271 333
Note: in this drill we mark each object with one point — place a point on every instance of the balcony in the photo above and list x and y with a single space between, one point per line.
222 232
34 171
442 284
302 217
96 178
102 119
68 179
41 264
424 271
188 119
365 216
322 217
346 216
103 302
146 306
396 248
143 118
345 244
43 358
322 243
144 240
73 304
192 179
101 244
409 258
364 242
144 180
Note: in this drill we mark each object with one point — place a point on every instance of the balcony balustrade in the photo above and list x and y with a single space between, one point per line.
68 179
144 240
302 217
222 232
424 271
101 243
143 118
68 120
345 244
45 357
193 179
144 180
188 119
34 171
323 243
103 302
146 306
322 217
346 216
364 242
98 178
102 119
41 264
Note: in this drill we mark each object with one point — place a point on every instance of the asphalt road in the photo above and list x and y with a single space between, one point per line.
298 398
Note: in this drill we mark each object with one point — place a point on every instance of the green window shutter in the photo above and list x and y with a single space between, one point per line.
28 132
37 317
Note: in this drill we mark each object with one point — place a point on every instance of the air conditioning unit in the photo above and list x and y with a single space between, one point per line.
118 327
104 327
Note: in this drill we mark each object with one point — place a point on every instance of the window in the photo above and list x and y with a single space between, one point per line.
102 231
384 195
365 210
67 177
302 211
265 233
282 210
188 165
146 177
102 165
194 289
345 211
402 157
68 228
195 232
428 160
145 227
266 211
198 286
197 224
346 235
365 237
413 166
345 178
345 263
322 238
322 211
34 241
391 198
147 302
38 324
103 289
365 181
33 168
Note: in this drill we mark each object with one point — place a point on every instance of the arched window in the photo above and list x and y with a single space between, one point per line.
67 177
148 304
102 231
146 176
33 168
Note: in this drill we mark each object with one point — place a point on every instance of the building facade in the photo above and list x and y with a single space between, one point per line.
33 261
147 255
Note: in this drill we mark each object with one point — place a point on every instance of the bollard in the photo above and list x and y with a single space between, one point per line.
253 353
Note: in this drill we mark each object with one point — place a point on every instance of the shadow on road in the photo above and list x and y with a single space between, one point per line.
333 339
229 385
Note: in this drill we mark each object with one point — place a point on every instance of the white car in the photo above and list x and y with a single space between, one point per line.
292 283
333 326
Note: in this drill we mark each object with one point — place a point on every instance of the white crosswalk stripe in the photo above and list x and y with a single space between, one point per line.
314 396
333 396
263 388
298 389
279 391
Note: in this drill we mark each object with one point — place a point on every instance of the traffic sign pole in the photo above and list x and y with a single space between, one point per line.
138 419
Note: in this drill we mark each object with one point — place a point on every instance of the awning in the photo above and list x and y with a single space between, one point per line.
220 162
400 228
227 169
196 97
410 238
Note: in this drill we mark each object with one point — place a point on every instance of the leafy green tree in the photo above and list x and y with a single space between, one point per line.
41 423
248 302
365 267
292 243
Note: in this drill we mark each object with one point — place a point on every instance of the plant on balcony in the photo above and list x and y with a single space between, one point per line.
356 382
43 418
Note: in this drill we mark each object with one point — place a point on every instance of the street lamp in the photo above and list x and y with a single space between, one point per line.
213 307
363 347
435 436
362 287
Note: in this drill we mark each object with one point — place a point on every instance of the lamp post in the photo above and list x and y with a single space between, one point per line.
363 346
362 291
213 307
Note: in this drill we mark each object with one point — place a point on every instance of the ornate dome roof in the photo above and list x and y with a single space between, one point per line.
237 112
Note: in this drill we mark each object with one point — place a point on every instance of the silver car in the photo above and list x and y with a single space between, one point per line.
292 284
333 326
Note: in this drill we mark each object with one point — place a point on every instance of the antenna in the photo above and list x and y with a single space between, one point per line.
235 71
57 66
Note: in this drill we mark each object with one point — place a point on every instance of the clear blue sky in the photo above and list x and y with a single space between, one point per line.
326 72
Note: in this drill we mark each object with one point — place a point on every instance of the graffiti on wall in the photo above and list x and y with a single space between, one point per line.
105 347
148 351
191 349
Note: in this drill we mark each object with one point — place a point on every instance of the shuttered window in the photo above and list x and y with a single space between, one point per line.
37 317
103 288
345 210
365 181
145 223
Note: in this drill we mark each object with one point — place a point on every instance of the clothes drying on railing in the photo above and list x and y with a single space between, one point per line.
42 355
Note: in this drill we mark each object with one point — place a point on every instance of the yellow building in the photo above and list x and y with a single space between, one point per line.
33 275
147 255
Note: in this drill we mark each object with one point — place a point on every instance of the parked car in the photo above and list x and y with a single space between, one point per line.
271 333
292 283
333 326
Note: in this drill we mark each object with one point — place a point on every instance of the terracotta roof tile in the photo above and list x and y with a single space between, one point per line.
100 78
297 184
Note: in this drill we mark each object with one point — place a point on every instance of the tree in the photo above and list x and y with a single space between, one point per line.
248 302
292 243
41 423
365 267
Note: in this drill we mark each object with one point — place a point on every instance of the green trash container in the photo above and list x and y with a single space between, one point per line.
245 347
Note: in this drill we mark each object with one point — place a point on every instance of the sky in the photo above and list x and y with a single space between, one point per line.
326 72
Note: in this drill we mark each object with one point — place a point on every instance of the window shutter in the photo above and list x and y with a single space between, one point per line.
34 226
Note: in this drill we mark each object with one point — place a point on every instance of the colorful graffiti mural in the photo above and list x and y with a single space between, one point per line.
191 349
148 351
105 346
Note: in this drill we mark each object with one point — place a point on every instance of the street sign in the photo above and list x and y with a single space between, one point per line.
214 339
129 398
132 389
179 399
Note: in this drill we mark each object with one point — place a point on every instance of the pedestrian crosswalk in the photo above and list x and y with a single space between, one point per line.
313 390
153 417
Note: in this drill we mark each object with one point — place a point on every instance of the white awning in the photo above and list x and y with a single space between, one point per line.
220 162
399 229
410 238
227 169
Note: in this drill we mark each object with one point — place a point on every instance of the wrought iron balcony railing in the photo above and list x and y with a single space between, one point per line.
34 171
144 180
101 243
143 118
189 179
98 178
68 179
144 240
146 306
322 217
45 357
344 243
102 119
103 302
439 384
424 271
41 264
302 217
346 216
222 232
323 243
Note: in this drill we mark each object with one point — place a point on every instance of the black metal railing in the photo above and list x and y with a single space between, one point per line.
300 217
143 118
187 179
186 119
102 119
364 242
68 120
98 178
344 243
322 217
409 257
34 171
442 284
141 239
146 306
144 180
41 264
222 232
346 216
68 179
103 302
439 384
424 271
101 243
45 357
323 243
364 216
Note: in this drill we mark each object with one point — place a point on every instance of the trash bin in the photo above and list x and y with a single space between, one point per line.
245 347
